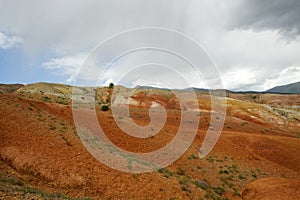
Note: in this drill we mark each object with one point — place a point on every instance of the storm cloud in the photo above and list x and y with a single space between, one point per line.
253 43
279 15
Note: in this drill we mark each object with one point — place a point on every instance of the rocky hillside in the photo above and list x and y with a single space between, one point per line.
9 88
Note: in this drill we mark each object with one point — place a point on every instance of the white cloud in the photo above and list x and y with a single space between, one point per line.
66 66
238 79
263 55
288 75
7 41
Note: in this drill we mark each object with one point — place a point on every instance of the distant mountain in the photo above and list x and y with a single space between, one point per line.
293 88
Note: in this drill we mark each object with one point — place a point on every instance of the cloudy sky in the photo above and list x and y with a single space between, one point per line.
254 44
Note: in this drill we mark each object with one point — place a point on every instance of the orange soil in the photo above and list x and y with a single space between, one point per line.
39 145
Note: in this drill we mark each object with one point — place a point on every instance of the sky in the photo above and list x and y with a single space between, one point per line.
253 44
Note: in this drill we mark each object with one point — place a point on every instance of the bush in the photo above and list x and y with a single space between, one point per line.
180 171
46 99
192 156
52 127
219 190
111 85
104 108
62 101
184 180
165 172
201 184
241 176
235 192
185 188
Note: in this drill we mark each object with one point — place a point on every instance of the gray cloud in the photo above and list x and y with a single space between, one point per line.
242 37
76 25
280 15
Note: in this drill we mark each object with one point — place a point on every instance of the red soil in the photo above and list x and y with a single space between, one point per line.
39 145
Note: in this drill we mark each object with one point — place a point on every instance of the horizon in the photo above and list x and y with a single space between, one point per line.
154 87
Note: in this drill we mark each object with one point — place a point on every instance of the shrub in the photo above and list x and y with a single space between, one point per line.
104 108
211 159
46 99
235 168
184 180
185 188
226 181
111 85
225 171
180 171
219 190
52 127
165 172
192 156
201 184
62 101
241 176
235 192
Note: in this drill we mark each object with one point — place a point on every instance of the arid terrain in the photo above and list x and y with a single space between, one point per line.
42 156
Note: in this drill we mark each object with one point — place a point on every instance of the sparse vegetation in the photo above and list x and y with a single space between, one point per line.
219 190
222 173
66 140
211 159
62 101
184 180
241 176
179 171
52 127
192 156
15 185
235 192
165 172
201 184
